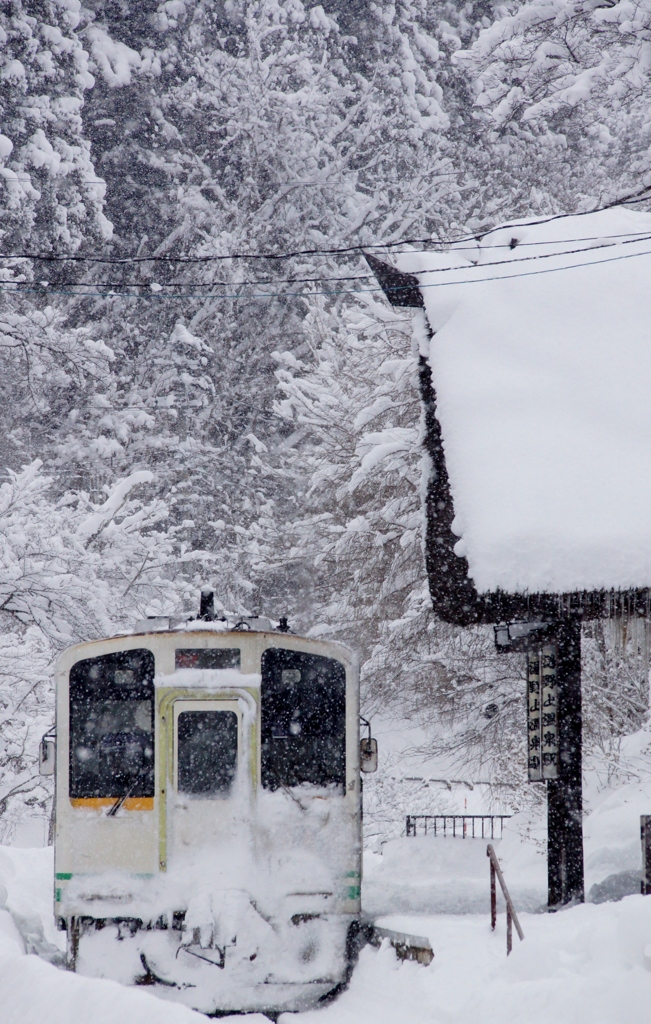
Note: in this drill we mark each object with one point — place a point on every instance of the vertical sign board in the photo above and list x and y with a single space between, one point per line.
533 716
645 835
549 712
542 714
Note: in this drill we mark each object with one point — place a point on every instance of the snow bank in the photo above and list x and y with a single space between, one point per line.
612 833
544 384
34 991
449 876
26 876
587 965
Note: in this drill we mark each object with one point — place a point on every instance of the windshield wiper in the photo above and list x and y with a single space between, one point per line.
285 787
120 800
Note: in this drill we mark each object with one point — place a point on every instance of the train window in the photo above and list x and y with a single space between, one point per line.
208 657
207 752
303 720
112 725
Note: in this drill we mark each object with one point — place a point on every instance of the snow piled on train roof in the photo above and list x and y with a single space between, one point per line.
544 397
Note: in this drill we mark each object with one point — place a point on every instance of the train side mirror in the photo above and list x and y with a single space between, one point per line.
368 754
46 756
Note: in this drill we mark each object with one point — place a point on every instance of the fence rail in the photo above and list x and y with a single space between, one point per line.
463 826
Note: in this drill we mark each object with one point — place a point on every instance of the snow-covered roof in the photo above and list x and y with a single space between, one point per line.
542 368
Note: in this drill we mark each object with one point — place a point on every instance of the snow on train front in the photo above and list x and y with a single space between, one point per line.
208 814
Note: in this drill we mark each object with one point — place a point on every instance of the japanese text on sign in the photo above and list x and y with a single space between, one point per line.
542 714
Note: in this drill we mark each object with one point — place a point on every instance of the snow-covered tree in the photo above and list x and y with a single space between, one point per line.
353 406
71 569
26 714
50 197
252 127
51 373
562 92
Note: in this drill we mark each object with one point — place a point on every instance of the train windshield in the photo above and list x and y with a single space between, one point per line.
112 725
207 752
303 720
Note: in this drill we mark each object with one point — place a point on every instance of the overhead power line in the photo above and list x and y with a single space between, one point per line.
348 250
351 277
542 255
642 195
361 248
200 284
18 288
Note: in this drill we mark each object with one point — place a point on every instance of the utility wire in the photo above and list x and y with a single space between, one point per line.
637 197
201 284
359 248
353 277
17 289
540 256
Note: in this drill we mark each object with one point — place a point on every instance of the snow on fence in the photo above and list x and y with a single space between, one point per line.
465 826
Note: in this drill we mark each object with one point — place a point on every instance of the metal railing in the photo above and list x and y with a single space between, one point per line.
464 826
511 916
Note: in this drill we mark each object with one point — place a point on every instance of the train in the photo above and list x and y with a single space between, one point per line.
208 812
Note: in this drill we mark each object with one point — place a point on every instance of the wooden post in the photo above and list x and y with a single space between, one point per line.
511 916
564 794
645 835
493 898
72 950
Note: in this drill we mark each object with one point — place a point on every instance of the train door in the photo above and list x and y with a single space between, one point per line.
208 774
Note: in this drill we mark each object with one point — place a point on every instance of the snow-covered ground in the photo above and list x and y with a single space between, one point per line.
584 965
587 964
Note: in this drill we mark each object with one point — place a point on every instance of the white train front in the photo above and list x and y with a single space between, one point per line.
208 814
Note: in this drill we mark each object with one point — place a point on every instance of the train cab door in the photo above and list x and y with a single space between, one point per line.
208 774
